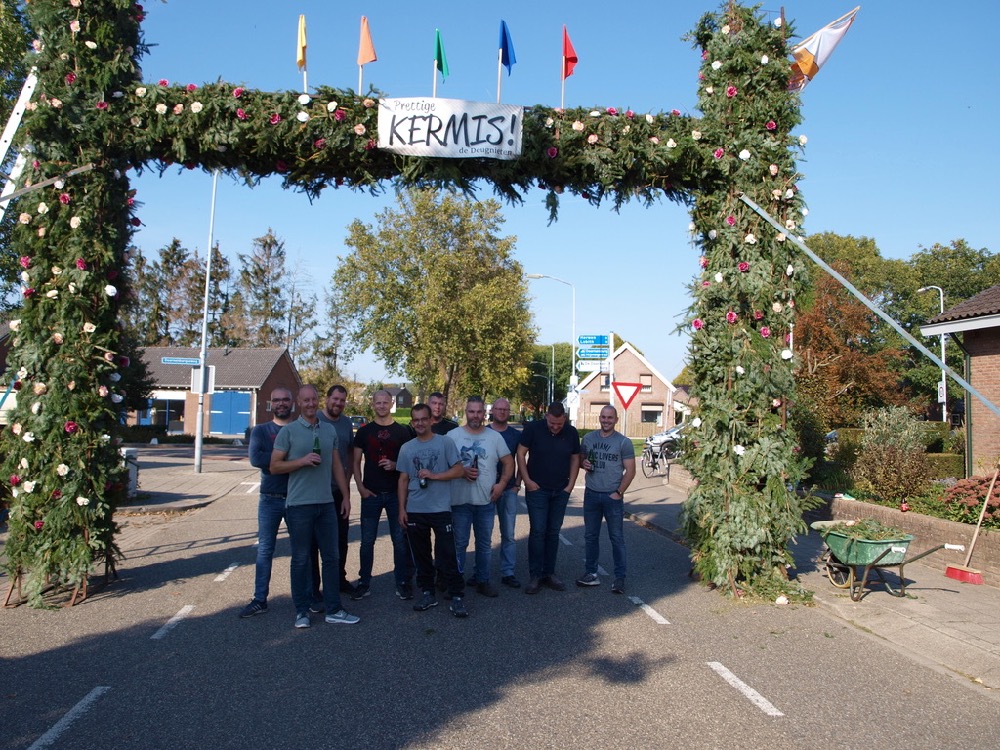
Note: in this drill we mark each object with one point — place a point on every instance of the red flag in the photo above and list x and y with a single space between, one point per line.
569 55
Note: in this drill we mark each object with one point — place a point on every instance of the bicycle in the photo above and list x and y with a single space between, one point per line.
655 461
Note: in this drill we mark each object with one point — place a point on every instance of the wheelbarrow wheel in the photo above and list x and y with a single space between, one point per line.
840 575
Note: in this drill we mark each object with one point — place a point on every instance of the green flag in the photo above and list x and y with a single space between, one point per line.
440 60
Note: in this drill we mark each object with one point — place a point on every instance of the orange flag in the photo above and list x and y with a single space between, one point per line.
366 50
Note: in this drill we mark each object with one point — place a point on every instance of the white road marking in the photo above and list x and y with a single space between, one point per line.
225 574
653 614
565 541
72 715
253 487
748 692
601 571
172 623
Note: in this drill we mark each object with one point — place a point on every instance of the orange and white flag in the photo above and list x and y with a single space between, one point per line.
813 52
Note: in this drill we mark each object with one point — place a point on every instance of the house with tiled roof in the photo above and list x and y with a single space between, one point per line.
243 381
975 325
653 408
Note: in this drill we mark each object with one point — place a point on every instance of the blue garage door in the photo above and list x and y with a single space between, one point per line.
230 413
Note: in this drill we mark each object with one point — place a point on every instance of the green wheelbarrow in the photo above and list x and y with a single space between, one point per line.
851 561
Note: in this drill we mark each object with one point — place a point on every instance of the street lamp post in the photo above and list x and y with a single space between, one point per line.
944 382
572 343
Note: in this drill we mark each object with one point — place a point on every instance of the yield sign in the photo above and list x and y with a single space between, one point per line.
627 392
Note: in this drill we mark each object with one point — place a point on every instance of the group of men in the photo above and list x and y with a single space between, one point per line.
440 486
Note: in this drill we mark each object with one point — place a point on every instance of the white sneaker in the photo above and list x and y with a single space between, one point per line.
302 620
342 618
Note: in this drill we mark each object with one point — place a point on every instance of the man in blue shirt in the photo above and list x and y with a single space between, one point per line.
271 505
333 412
548 460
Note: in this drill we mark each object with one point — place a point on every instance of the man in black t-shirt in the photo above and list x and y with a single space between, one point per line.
376 447
548 460
440 424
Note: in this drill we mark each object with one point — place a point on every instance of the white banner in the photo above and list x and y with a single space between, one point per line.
449 128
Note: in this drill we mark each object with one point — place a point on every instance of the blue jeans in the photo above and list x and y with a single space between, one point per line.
598 506
507 513
308 525
479 520
371 513
270 513
546 510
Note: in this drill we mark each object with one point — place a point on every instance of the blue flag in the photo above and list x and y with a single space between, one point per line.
507 57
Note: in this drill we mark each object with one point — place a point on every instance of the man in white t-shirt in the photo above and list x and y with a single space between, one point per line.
474 495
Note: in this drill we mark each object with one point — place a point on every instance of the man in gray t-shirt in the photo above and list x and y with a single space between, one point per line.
609 460
426 466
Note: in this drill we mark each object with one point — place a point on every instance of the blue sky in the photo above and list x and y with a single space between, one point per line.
901 126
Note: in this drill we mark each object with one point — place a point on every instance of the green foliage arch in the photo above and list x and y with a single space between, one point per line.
93 108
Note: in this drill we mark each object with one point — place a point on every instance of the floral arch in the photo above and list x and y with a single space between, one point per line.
91 107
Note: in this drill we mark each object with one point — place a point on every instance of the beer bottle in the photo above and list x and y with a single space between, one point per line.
422 481
316 443
592 458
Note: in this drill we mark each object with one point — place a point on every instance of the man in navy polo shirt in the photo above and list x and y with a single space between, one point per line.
548 460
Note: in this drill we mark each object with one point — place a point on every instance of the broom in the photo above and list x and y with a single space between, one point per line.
964 573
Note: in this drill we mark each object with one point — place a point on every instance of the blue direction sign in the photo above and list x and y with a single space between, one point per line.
598 352
590 340
193 361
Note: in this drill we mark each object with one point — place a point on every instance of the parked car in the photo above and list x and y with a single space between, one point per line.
358 421
667 440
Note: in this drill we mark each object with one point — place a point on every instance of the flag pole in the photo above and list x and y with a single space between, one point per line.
562 89
434 88
361 70
499 68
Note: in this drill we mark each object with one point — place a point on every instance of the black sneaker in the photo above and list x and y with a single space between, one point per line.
588 579
618 587
253 608
317 608
346 587
360 592
457 607
487 589
404 591
427 600
511 581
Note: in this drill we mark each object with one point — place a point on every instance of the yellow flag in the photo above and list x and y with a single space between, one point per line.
813 52
300 51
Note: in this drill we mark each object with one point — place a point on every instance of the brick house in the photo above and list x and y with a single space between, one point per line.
653 409
244 379
978 320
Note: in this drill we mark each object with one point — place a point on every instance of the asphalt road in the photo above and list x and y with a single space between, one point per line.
668 665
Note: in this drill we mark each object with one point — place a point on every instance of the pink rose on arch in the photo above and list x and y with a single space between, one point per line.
124 361
771 125
718 153
731 317
675 112
731 220
15 480
28 292
743 266
56 494
102 105
25 261
552 152
612 111
281 166
697 324
274 119
765 332
359 129
240 114
758 315
71 427
191 87
706 284
135 221
731 91
238 92
163 82
70 78
64 198
371 145
788 338
703 261
630 114
319 143
39 525
340 115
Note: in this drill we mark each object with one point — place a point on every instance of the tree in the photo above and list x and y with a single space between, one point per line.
535 389
434 292
265 299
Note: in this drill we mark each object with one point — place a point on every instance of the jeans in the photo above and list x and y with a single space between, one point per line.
308 524
270 513
479 520
546 509
371 513
507 513
597 506
443 560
